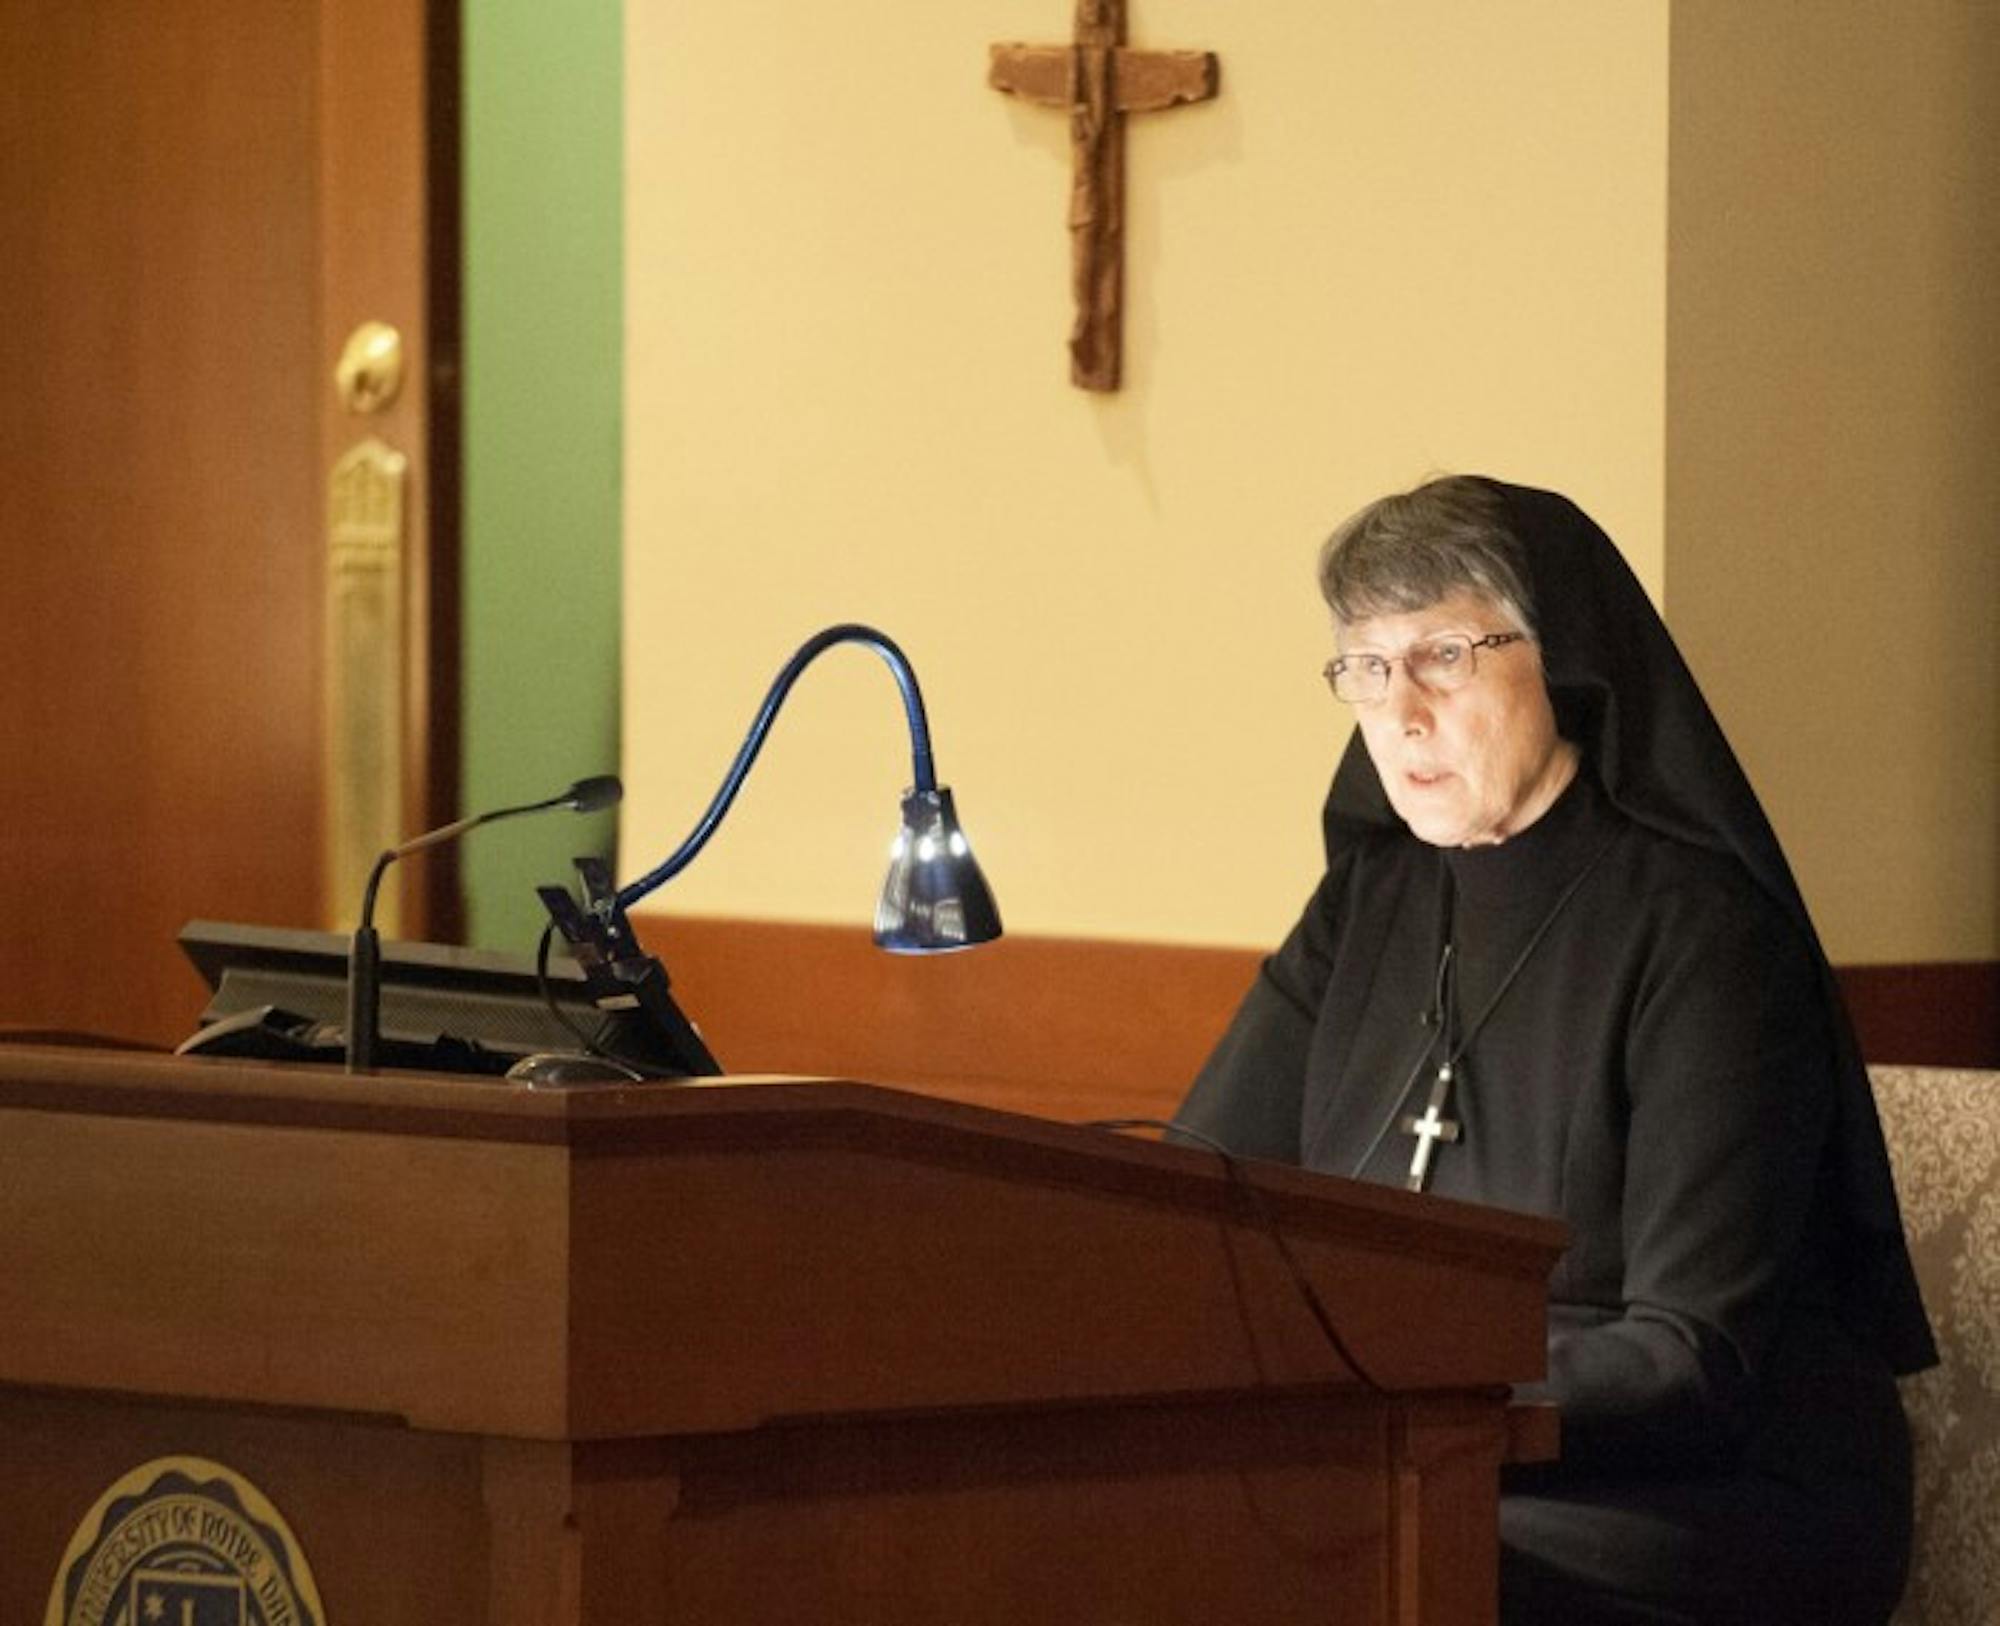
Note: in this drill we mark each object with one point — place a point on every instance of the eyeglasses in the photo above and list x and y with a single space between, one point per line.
1438 664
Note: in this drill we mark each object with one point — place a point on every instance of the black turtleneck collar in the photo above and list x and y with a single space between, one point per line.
1527 870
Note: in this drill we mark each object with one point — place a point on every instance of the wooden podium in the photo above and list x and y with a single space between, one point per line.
743 1352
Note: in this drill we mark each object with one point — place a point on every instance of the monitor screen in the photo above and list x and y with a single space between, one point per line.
280 993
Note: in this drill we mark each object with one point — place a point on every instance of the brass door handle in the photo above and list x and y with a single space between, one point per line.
370 371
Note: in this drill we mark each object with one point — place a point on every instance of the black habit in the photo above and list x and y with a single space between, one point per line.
1646 1042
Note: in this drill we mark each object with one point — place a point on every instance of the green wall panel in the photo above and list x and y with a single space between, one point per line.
544 335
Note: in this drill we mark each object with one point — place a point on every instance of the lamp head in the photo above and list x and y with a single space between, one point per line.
934 898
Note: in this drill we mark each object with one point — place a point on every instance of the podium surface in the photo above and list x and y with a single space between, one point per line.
742 1350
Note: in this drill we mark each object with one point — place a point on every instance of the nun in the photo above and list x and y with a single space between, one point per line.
1557 963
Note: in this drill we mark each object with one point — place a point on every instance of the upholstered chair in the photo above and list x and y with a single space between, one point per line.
1943 1128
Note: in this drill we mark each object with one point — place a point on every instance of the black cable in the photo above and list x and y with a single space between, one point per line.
591 1046
1240 1181
1432 1019
1403 1094
1443 1007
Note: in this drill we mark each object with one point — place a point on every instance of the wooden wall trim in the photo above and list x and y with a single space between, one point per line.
1073 1028
1945 1014
1064 1028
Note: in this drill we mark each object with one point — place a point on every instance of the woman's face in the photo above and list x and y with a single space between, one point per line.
1472 765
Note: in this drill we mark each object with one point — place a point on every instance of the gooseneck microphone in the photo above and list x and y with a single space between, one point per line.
364 955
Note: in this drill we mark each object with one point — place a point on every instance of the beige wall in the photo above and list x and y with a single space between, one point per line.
1406 237
1833 476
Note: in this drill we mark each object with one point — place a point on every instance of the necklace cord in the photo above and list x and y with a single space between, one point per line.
1446 1007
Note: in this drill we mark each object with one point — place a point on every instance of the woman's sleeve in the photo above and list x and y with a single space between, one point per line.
1730 1099
1248 1094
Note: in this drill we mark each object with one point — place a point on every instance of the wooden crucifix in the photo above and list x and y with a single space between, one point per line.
1099 80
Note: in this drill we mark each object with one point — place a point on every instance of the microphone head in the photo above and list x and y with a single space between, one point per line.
593 794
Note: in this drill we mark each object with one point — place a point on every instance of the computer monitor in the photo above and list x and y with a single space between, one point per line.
281 994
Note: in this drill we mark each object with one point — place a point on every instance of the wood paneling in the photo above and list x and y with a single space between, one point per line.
1075 1029
161 429
1064 1028
396 1537
158 704
768 1350
374 1244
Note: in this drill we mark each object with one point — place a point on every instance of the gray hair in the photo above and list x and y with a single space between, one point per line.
1409 551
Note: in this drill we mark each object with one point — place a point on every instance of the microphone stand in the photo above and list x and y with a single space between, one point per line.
364 954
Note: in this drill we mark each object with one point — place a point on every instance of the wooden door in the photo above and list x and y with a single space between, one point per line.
200 199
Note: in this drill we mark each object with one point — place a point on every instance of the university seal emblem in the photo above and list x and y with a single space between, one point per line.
184 1542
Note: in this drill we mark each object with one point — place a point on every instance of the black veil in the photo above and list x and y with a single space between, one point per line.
1623 694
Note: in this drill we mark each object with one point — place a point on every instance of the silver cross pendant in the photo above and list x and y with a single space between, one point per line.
1429 1129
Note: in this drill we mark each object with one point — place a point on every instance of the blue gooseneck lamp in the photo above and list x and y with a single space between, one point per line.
934 898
